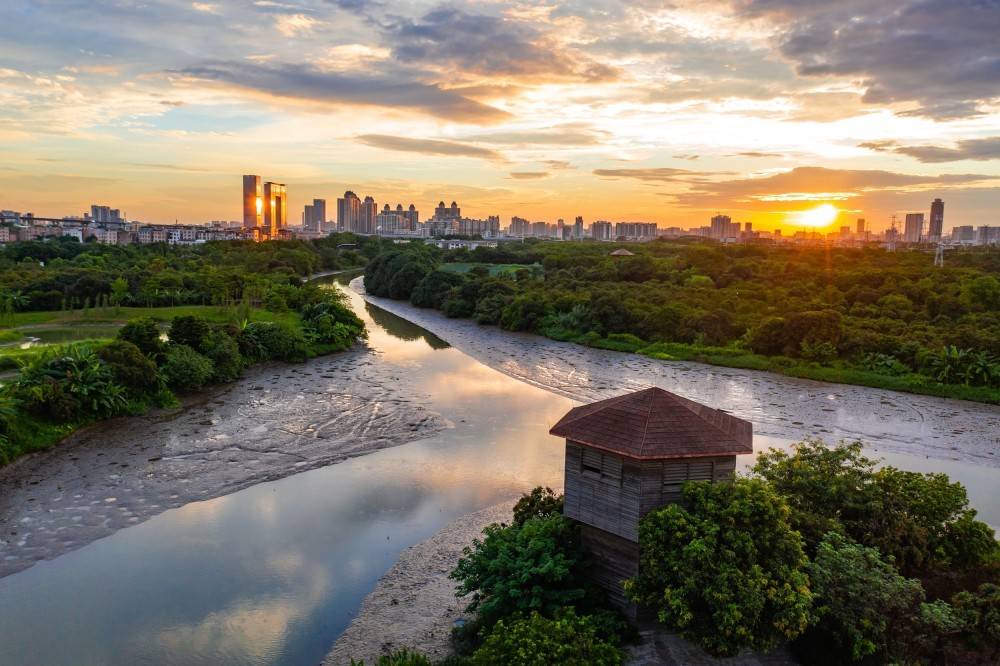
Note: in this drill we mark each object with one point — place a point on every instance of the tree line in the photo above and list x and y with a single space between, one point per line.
860 316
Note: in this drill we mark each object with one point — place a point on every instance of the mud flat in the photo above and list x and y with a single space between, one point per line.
276 421
782 407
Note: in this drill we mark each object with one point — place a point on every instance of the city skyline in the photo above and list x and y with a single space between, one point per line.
764 111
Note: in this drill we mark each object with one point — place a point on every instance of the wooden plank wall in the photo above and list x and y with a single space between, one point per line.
612 493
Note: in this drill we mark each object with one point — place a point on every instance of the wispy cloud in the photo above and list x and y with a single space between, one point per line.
429 146
969 149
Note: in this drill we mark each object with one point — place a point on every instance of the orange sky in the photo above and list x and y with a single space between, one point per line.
640 112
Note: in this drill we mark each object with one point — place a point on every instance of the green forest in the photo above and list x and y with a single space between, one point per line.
851 315
89 332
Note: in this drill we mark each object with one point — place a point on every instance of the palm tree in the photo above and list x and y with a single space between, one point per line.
948 366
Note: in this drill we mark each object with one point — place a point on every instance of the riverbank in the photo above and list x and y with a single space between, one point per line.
779 406
414 606
276 421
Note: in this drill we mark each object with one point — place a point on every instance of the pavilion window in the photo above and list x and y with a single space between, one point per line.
601 467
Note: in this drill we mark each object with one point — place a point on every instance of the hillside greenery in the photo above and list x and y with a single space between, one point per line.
856 316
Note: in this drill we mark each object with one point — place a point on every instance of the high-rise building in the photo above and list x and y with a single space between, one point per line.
413 216
721 227
578 227
369 211
936 226
914 229
861 225
105 214
963 234
519 227
253 202
636 230
275 208
348 212
601 231
314 216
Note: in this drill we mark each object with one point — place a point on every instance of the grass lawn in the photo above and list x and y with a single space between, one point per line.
495 269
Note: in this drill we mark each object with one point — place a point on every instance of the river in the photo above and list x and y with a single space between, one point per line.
272 573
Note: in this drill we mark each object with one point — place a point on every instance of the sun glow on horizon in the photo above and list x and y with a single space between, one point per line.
820 216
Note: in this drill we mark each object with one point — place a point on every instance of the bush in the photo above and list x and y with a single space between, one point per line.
398 658
130 367
191 331
272 341
227 362
725 568
144 334
539 503
861 603
69 383
531 567
186 370
535 640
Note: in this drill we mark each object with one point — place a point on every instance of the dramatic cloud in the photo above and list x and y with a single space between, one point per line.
970 149
818 183
309 84
452 40
429 146
940 54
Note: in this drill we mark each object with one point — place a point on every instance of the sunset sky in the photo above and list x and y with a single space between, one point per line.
659 111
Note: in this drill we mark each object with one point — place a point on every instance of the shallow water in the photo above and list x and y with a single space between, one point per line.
272 574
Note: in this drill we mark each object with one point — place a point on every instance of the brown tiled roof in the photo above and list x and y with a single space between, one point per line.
652 424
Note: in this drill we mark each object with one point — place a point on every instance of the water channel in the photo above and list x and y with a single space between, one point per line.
273 574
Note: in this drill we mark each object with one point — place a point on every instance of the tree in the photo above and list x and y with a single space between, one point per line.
861 603
129 366
189 330
539 503
531 567
144 334
724 568
536 640
186 370
824 486
119 291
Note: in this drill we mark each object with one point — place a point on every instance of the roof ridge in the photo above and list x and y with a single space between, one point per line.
645 426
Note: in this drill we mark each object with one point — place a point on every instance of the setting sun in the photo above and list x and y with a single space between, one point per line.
820 216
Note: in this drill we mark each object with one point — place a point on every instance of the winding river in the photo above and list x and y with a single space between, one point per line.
272 573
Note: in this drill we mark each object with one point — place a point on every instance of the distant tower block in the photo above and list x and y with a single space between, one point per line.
630 455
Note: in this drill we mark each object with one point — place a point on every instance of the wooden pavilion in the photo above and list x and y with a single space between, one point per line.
629 455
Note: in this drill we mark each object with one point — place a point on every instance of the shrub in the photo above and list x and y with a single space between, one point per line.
130 367
725 568
398 658
144 334
535 640
68 384
272 341
189 330
531 567
539 503
227 362
981 613
861 603
186 370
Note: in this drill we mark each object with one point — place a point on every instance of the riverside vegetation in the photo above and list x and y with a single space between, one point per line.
820 548
855 316
229 305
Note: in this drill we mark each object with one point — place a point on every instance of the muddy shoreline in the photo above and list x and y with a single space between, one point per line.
779 406
276 421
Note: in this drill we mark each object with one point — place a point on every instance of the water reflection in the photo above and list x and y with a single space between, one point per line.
273 574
